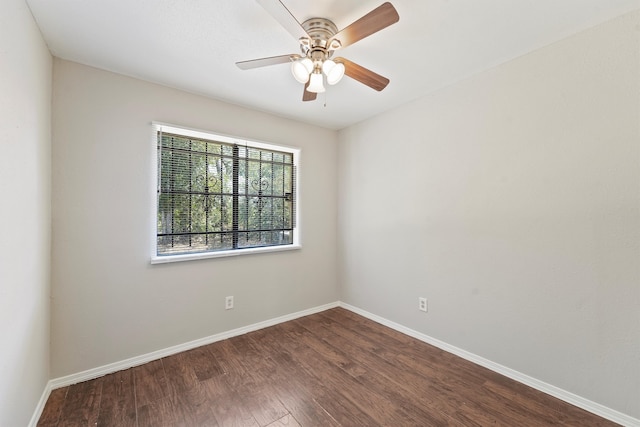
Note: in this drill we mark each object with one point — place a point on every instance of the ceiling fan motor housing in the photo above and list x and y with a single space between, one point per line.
320 46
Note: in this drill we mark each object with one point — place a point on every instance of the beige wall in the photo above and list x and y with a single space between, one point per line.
512 202
25 213
109 303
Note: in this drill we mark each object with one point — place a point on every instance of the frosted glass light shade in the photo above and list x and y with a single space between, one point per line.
327 66
301 69
334 71
315 85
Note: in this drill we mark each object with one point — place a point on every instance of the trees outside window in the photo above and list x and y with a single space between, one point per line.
218 195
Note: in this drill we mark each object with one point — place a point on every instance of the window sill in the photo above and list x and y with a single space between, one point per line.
222 254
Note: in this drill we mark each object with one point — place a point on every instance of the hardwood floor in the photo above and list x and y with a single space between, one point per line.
334 368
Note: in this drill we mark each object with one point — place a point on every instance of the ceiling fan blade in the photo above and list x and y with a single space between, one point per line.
281 14
374 21
308 96
363 75
264 62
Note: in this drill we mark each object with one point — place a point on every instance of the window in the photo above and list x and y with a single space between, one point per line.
218 196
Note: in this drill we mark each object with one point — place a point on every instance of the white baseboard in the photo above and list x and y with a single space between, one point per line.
554 391
155 355
43 400
571 398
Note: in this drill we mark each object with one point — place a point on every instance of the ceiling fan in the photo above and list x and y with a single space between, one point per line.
319 38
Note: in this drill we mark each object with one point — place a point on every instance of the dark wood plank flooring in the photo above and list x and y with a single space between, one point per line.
334 368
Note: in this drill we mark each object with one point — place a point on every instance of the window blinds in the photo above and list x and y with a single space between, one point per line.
216 196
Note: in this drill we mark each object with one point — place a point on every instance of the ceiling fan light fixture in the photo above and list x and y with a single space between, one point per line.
315 84
334 71
327 66
301 69
319 38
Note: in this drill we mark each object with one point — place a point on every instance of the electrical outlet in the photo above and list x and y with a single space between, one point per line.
228 303
422 304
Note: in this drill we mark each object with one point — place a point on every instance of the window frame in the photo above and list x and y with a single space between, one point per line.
216 136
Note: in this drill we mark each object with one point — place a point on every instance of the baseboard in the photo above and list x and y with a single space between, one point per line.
155 355
554 391
43 400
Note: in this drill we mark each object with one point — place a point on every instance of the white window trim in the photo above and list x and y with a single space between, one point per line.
197 133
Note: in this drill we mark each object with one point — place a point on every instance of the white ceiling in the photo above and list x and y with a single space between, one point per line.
193 45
